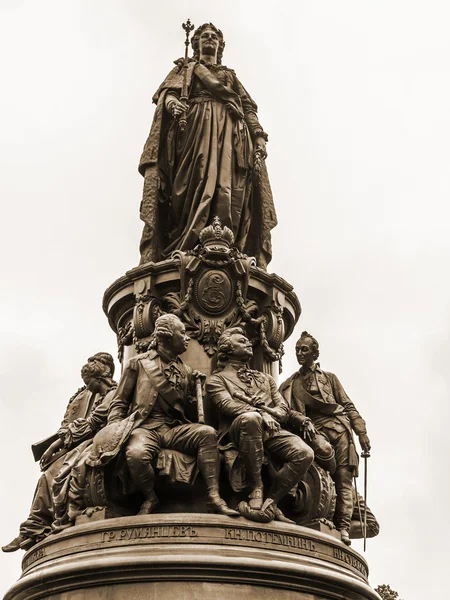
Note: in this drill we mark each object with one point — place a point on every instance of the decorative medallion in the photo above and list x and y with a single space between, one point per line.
214 291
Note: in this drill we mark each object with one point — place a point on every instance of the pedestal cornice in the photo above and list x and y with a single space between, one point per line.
191 547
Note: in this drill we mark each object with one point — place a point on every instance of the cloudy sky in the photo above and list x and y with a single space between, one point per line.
355 96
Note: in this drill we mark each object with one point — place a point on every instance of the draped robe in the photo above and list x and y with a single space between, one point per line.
206 170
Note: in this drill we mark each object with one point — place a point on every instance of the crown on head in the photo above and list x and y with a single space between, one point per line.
216 234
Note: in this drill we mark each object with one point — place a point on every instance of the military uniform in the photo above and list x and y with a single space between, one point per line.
242 427
320 396
160 390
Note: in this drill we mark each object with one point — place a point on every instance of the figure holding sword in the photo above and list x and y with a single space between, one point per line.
319 396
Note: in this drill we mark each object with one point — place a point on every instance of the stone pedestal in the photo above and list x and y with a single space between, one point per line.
211 288
191 556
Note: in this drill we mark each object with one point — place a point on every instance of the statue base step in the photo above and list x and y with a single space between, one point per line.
191 555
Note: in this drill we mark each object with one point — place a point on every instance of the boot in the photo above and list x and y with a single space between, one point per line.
149 504
208 461
19 543
283 482
343 480
345 537
252 453
218 505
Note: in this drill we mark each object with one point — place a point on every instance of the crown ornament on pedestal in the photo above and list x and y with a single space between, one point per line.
216 235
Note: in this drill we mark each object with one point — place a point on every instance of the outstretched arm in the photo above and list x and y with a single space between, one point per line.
357 422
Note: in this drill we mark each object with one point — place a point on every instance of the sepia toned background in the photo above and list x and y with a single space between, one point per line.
355 97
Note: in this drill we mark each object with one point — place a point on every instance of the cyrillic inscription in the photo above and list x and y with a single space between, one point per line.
267 537
139 533
350 560
34 556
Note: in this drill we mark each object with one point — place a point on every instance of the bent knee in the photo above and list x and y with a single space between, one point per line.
207 432
303 454
138 450
309 454
322 447
133 452
251 419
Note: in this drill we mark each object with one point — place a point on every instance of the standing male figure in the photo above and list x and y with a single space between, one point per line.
251 429
319 396
38 524
158 386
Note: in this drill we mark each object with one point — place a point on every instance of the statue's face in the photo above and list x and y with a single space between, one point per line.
179 340
94 385
241 347
305 352
208 42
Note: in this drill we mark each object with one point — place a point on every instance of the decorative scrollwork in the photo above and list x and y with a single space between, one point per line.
213 296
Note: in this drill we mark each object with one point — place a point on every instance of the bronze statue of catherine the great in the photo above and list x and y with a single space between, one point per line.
207 168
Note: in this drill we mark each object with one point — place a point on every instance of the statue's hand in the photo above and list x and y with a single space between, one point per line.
364 442
199 375
309 431
260 142
45 458
258 402
177 107
51 450
270 424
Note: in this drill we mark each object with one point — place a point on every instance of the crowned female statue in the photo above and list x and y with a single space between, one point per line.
204 157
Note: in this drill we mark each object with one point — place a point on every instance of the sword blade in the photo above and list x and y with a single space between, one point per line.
359 506
365 500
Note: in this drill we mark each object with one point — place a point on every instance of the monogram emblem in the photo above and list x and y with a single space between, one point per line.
214 291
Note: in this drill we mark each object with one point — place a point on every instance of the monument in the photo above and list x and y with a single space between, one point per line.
196 476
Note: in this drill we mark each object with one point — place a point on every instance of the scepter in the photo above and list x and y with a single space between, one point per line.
188 27
365 455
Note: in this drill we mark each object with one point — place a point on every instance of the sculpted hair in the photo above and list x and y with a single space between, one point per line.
164 326
195 41
315 343
225 347
96 369
106 359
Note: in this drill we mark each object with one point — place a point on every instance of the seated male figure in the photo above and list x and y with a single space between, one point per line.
251 411
39 521
158 386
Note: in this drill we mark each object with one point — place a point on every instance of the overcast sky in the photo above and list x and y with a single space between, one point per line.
355 97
